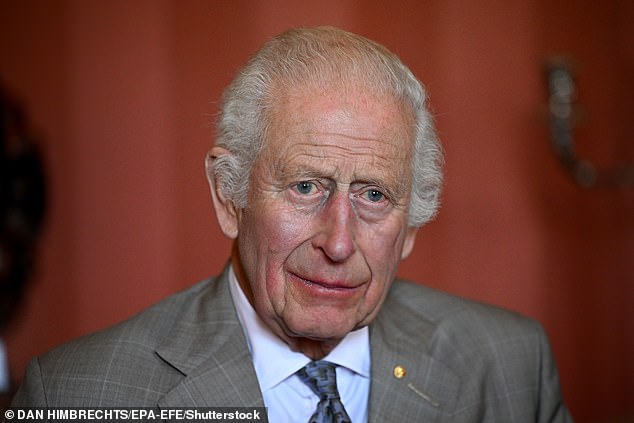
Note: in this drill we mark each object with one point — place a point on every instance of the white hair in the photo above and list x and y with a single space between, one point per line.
315 55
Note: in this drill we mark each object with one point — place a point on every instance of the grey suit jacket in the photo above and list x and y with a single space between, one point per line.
463 361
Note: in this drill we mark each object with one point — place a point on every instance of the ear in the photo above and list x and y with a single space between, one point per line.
408 245
226 212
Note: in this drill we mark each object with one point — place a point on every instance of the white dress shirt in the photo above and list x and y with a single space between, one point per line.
286 397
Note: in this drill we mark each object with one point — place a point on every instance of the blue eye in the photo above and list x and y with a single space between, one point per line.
305 187
374 195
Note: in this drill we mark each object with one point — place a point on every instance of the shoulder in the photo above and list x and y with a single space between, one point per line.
471 338
120 362
143 331
449 313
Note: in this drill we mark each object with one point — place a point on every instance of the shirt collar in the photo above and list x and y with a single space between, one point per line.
353 352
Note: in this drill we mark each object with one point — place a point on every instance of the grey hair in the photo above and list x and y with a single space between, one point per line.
320 55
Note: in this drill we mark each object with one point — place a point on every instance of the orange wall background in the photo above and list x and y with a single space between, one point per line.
123 94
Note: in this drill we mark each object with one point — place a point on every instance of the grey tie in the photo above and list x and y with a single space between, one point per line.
320 376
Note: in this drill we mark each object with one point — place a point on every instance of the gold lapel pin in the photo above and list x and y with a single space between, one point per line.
399 372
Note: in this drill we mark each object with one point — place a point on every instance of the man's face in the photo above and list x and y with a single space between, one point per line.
326 222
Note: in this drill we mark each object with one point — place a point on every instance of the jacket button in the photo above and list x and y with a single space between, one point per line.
399 372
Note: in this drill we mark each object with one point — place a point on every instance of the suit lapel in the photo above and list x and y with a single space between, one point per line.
207 346
427 391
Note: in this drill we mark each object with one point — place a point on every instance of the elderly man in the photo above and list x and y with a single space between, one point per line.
325 166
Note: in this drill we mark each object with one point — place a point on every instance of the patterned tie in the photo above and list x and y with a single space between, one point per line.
320 376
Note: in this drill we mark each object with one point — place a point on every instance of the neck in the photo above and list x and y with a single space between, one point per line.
315 350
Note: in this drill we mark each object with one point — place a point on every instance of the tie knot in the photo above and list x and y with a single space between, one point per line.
321 377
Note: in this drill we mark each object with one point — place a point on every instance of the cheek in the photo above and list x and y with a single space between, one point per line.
383 247
271 237
280 232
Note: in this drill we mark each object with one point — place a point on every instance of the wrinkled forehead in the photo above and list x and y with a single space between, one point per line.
348 108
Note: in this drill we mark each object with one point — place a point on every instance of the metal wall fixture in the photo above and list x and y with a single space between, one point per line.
563 112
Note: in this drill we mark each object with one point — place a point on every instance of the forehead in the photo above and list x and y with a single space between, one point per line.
331 123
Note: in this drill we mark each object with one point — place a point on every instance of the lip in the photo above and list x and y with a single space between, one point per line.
325 285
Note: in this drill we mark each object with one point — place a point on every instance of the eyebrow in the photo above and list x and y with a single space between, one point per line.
295 172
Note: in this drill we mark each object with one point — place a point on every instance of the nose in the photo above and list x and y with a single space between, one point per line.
336 236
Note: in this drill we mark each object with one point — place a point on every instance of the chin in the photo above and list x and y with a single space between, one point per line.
318 331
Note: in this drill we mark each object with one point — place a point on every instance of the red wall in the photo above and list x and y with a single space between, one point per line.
124 93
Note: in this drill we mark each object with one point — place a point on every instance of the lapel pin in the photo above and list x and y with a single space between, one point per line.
399 372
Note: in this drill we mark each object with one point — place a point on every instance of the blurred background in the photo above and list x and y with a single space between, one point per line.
122 96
